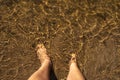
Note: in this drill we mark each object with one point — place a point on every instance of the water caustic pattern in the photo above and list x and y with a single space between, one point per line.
90 28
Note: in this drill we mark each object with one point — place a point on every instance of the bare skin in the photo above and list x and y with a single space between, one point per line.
74 72
43 73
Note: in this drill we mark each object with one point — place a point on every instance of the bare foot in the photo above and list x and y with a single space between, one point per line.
42 54
74 72
73 58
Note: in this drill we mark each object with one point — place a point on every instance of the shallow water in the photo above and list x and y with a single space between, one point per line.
89 28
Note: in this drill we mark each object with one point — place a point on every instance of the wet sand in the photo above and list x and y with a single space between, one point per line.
90 28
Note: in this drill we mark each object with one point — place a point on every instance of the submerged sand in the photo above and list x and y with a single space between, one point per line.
90 28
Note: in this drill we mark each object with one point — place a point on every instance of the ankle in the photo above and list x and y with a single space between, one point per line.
73 64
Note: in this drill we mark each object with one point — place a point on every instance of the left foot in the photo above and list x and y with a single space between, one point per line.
42 54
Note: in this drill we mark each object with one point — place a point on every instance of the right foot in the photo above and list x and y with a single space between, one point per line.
73 58
42 54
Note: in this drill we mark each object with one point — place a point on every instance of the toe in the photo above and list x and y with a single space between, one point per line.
39 46
73 57
42 46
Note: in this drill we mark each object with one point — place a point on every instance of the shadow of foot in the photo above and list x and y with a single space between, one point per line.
52 74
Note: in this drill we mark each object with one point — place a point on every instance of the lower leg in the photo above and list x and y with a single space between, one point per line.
74 73
43 73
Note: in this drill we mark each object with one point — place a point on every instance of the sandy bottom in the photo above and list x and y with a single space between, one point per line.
90 28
